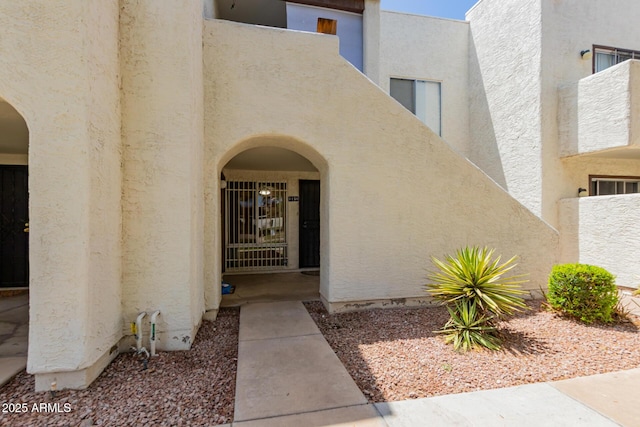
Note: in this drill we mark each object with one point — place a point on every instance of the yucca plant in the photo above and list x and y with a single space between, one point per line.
468 328
472 275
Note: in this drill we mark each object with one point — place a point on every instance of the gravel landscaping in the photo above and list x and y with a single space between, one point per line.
182 388
393 354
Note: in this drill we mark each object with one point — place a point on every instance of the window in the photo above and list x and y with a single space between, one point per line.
327 26
611 185
606 57
422 98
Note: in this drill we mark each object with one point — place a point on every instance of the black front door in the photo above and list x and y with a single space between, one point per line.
14 231
309 224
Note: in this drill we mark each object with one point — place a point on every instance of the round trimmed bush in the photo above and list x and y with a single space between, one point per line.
584 291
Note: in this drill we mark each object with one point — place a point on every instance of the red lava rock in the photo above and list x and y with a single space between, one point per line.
180 388
393 354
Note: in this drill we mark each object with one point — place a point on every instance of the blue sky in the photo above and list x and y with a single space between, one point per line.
454 9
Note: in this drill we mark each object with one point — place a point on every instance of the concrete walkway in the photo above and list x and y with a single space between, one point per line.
14 336
287 372
272 287
289 376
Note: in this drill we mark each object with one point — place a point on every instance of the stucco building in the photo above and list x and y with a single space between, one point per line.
164 142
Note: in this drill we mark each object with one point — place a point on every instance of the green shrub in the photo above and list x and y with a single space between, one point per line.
586 292
472 286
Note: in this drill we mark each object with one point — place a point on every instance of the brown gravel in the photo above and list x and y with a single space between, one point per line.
393 354
185 388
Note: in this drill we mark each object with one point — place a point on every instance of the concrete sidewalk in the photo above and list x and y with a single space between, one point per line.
289 376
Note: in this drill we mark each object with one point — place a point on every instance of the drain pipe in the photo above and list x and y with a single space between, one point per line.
136 328
153 338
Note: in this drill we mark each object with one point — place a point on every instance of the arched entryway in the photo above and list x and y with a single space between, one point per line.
271 222
14 232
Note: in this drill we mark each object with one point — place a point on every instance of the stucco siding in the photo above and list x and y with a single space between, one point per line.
103 117
505 86
393 192
371 40
603 231
426 48
61 55
592 120
568 27
161 66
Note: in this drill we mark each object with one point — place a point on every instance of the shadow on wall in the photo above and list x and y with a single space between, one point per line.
483 150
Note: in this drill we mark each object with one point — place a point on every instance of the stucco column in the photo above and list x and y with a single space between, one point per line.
60 71
162 127
371 39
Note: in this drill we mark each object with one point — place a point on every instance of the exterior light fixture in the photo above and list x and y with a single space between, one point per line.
580 191
586 54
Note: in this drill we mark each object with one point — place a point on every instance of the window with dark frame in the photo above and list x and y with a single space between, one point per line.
422 97
605 57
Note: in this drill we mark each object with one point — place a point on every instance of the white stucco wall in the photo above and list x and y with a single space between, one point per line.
504 84
102 95
600 230
603 231
349 28
426 48
393 192
591 119
371 40
522 52
569 27
161 66
60 73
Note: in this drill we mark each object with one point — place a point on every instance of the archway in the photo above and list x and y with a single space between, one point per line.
14 231
271 203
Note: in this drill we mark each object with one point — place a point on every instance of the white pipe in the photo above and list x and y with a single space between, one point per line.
138 330
153 338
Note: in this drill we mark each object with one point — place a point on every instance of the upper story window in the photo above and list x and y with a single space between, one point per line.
422 98
611 185
606 57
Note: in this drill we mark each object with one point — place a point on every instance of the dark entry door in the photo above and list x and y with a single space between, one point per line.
14 232
309 223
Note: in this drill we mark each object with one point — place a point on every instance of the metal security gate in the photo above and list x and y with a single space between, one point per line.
255 225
